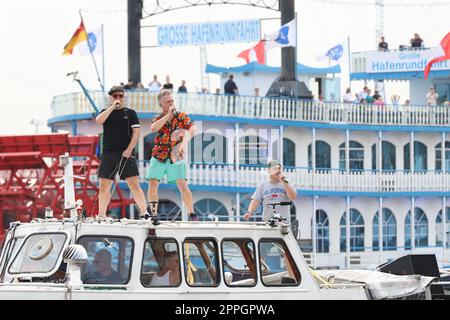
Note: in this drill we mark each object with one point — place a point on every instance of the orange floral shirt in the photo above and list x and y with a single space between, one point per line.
166 138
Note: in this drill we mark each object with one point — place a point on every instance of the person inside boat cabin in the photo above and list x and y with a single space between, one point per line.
169 274
104 273
276 189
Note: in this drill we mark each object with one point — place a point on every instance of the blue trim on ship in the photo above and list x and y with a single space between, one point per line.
409 75
271 122
300 193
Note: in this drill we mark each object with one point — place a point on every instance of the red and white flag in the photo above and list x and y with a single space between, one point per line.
257 53
441 53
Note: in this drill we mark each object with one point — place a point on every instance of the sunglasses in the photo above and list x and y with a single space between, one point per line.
118 96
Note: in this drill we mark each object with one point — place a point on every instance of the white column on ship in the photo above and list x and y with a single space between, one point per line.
347 233
236 170
444 199
411 167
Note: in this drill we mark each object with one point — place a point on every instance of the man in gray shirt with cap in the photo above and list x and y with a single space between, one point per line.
277 189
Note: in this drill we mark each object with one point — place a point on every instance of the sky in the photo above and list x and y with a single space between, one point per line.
34 32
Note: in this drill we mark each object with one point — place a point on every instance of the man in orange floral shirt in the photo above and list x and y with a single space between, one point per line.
174 129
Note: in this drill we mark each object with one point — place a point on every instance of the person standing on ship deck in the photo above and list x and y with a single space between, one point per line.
174 130
121 130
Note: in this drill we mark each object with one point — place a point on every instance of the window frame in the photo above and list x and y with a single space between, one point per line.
255 262
120 237
142 261
417 227
322 227
273 239
55 267
218 263
351 149
385 226
351 227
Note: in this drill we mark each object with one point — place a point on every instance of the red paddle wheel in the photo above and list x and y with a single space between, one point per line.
31 178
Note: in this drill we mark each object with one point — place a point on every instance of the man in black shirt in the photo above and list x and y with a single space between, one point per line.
168 85
230 86
182 88
383 45
416 42
231 89
121 131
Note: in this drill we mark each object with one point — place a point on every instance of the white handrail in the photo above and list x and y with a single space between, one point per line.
221 175
265 108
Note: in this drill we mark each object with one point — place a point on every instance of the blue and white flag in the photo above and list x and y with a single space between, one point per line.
339 52
286 36
95 45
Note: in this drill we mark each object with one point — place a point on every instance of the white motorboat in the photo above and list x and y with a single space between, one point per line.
90 258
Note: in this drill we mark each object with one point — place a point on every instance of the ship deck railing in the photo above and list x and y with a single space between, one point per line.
324 179
269 108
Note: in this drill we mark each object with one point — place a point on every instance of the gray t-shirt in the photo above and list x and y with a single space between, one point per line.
269 192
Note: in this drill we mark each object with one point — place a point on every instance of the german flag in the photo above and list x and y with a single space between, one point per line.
79 36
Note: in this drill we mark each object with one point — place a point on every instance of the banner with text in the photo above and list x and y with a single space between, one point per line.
402 61
208 33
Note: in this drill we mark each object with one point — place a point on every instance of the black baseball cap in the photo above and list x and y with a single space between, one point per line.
116 89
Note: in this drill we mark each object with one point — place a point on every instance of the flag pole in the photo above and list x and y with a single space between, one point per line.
103 59
296 44
92 54
349 61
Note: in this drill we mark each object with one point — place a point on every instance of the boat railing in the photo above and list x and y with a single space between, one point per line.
320 179
369 259
269 108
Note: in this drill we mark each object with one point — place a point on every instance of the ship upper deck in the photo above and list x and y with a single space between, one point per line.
266 110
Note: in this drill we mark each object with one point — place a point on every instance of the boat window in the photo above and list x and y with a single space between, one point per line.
239 265
161 265
109 259
277 266
39 253
201 264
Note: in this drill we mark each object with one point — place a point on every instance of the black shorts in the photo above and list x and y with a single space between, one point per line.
112 162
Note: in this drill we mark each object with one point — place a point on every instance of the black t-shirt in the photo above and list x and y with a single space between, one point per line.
112 278
168 86
230 86
118 129
383 45
416 43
